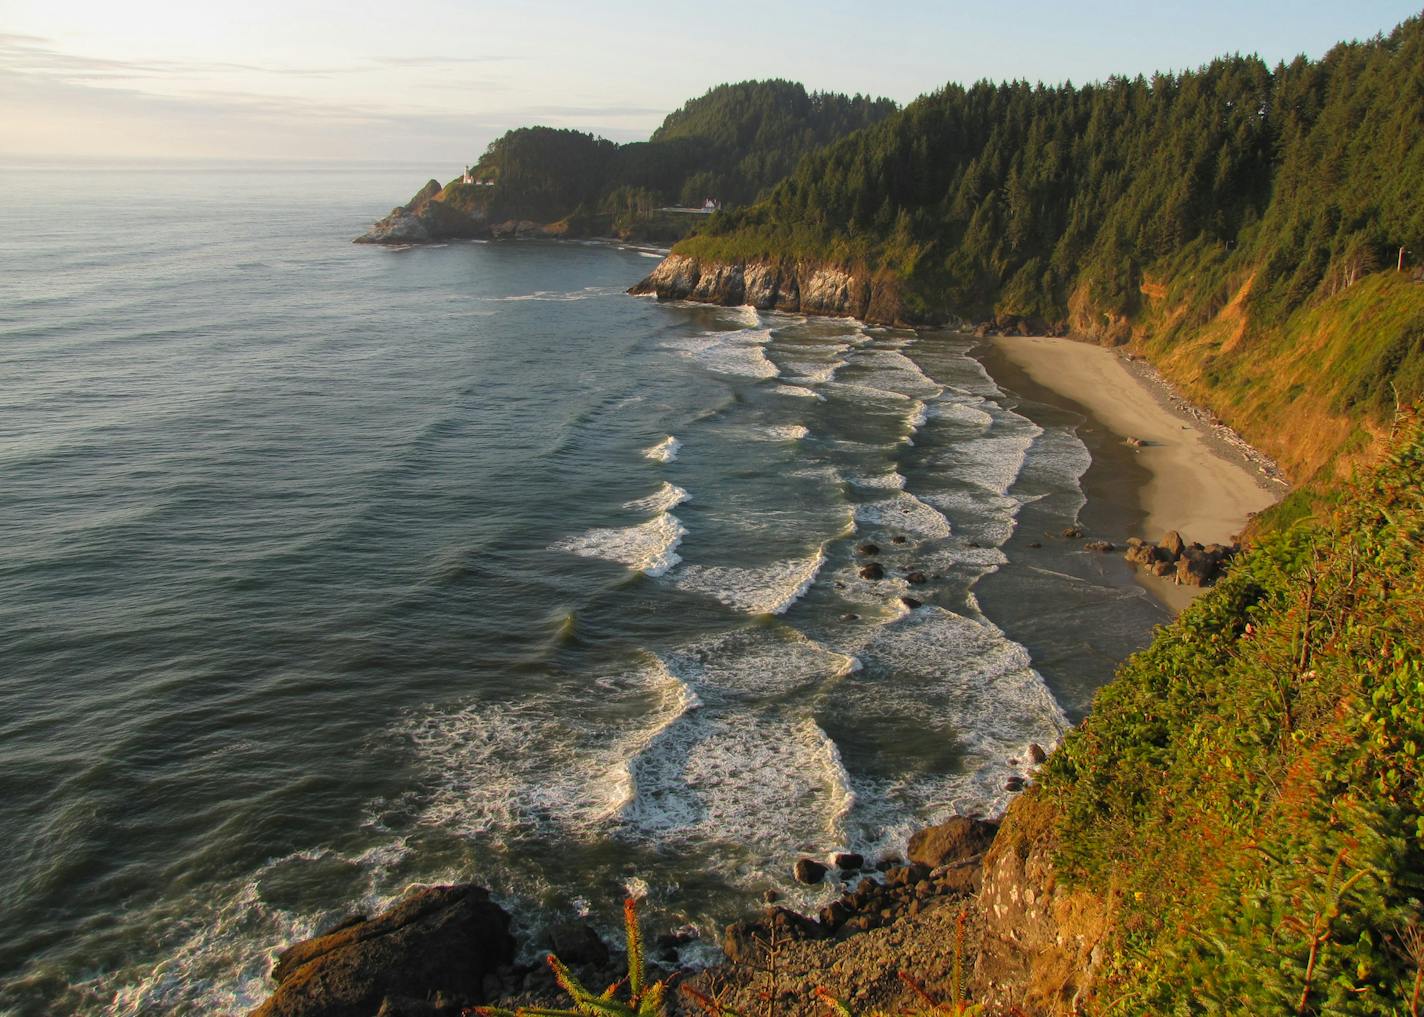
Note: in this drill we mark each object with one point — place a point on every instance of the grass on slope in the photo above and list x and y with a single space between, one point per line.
1247 792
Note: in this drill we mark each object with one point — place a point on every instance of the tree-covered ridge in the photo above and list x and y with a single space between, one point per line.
1010 195
1246 796
1133 207
731 144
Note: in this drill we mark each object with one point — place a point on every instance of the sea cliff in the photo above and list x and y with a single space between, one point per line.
800 287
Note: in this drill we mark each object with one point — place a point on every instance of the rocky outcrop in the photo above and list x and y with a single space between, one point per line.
1186 564
437 944
423 219
1042 941
799 287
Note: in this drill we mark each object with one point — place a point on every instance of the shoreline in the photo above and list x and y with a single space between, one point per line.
1190 475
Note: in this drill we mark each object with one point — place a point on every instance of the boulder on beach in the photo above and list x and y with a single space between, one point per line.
442 940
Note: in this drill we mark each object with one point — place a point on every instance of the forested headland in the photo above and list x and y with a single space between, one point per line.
731 145
1240 223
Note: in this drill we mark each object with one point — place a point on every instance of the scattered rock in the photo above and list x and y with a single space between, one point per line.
897 540
770 897
1036 544
1072 532
850 617
868 549
1173 544
849 861
1014 784
1101 546
1036 755
872 571
809 871
916 578
911 602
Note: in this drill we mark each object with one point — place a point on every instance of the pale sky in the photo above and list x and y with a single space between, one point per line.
435 80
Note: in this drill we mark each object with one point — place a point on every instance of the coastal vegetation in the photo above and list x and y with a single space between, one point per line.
1245 799
1234 221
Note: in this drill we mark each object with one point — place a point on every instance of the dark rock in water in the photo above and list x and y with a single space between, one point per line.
443 939
1036 755
1173 544
852 616
917 578
1014 784
1101 546
911 602
809 871
954 840
1036 544
888 862
897 540
872 571
577 943
849 861
1072 532
770 896
868 549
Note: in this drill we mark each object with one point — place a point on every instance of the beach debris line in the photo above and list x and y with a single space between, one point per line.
1186 564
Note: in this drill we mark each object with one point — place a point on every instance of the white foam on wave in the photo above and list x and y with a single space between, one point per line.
962 411
799 391
892 481
766 784
787 432
649 548
666 497
981 515
664 451
740 353
553 296
904 511
765 589
892 371
993 460
533 766
959 682
758 661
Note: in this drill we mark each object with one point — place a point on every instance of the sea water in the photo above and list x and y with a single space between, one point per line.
332 570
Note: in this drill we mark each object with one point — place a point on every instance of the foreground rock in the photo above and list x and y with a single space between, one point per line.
437 945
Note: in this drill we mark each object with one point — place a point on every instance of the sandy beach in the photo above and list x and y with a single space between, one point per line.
1193 481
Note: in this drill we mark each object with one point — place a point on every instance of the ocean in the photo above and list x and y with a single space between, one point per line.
329 570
